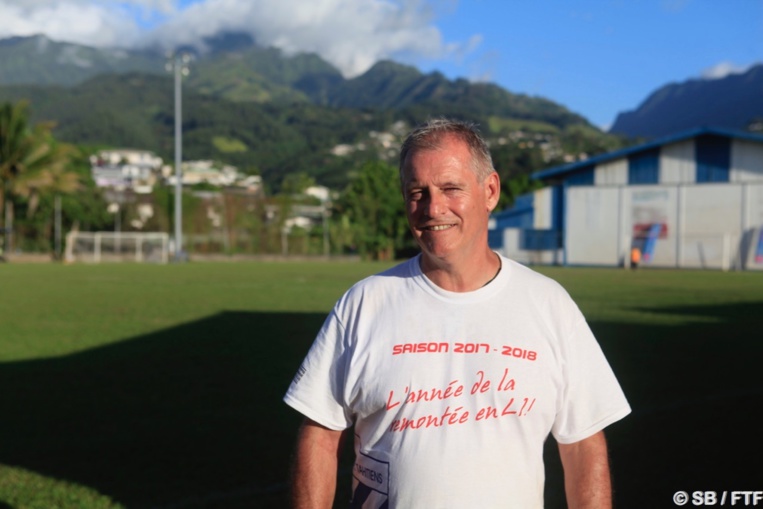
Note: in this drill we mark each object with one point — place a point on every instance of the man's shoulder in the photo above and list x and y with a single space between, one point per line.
532 281
376 291
391 277
529 274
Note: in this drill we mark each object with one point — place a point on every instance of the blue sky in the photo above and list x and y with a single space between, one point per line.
596 57
602 57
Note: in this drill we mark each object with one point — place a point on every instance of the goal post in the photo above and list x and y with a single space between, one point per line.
98 247
708 251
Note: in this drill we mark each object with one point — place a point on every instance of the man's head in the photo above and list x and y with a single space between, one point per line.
430 135
450 189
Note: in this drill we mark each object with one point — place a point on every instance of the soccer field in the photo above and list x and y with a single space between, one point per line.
160 386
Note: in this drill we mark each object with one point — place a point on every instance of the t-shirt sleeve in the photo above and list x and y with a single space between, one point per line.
592 398
318 387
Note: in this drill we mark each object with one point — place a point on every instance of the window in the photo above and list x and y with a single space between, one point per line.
583 177
644 167
713 155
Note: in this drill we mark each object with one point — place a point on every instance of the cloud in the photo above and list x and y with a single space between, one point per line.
351 34
722 70
80 21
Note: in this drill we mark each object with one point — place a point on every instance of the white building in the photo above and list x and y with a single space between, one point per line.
126 169
212 173
322 193
690 200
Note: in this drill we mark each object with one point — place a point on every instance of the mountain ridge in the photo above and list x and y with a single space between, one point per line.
283 113
732 102
234 67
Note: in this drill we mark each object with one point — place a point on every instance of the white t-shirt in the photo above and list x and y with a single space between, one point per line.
452 395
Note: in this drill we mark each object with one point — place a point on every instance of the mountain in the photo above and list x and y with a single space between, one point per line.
38 60
263 75
232 66
263 110
732 102
137 110
396 86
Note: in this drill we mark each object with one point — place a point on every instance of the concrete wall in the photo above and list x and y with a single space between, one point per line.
705 225
752 217
543 208
611 173
677 164
746 161
592 225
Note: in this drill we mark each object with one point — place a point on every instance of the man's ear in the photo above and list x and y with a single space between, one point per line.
492 190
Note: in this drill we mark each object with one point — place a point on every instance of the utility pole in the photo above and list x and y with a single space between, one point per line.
179 65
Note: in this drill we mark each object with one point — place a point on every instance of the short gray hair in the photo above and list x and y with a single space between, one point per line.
429 136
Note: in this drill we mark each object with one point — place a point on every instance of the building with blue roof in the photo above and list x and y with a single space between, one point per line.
694 199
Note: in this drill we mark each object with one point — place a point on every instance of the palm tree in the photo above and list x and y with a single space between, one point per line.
52 177
31 161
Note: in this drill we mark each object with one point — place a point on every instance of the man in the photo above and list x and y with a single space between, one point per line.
453 367
635 256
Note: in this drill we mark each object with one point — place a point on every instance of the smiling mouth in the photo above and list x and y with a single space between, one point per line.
438 227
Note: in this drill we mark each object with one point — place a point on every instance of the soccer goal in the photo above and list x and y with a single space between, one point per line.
98 247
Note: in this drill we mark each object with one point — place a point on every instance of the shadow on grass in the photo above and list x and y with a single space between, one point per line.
696 390
192 416
186 417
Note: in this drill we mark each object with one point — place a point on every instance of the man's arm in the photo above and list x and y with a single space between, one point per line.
586 473
313 481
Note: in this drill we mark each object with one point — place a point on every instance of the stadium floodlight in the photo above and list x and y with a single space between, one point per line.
178 63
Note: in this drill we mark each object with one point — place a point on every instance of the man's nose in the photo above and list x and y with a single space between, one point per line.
435 205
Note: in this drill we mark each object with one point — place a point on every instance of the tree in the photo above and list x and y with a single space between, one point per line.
514 165
296 183
31 161
51 177
585 141
374 205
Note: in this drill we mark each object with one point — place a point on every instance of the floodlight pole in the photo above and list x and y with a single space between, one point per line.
178 65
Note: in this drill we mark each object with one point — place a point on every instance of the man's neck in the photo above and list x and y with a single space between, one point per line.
462 276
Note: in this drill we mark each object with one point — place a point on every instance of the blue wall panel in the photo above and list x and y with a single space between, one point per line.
713 155
582 177
557 208
644 167
520 215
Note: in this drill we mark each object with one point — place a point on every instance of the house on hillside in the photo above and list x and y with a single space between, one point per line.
131 169
212 173
693 200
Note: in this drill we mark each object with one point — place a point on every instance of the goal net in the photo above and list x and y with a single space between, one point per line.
97 247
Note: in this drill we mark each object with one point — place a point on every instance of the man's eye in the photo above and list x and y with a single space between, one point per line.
414 195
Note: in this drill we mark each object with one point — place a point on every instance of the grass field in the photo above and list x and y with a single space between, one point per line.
160 386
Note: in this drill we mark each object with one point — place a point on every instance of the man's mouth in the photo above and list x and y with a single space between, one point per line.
438 227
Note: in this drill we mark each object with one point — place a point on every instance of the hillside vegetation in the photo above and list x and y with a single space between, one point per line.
259 109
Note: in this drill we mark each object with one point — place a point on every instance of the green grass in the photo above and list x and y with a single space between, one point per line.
52 310
26 490
657 297
498 124
228 145
160 386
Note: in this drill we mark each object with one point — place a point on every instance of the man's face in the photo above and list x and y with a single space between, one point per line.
446 205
